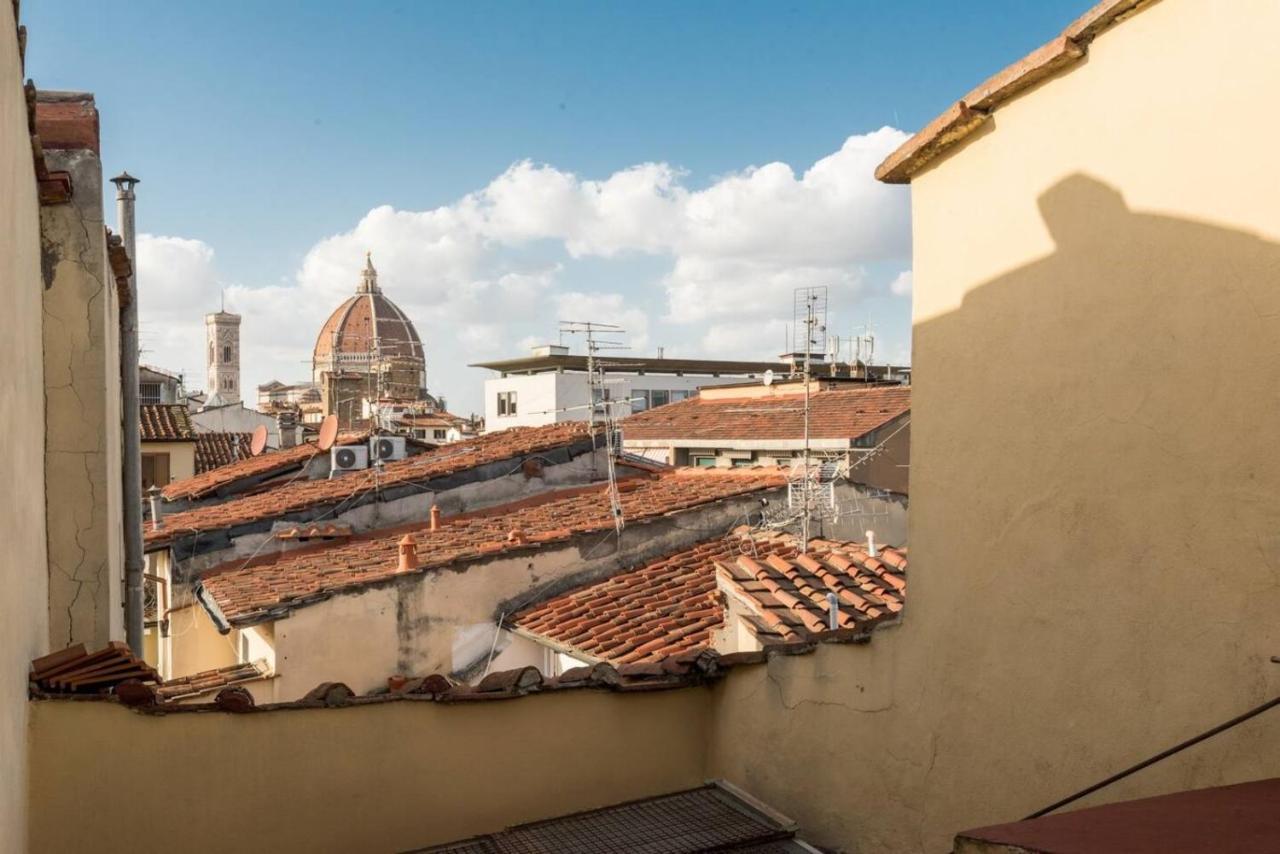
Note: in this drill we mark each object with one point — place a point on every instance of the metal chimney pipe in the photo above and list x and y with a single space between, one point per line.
131 456
871 544
157 511
833 611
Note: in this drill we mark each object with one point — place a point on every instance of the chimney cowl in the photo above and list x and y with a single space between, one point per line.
408 553
435 517
872 549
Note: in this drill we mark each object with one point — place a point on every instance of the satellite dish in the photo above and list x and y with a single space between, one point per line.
328 433
768 377
258 443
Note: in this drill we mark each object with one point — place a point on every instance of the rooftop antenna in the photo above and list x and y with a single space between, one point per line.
599 393
811 305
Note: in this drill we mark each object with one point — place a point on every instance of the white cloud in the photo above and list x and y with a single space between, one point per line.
901 285
503 263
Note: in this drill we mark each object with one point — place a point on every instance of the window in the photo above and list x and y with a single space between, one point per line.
659 397
679 395
155 470
742 464
506 403
149 393
704 462
226 353
639 400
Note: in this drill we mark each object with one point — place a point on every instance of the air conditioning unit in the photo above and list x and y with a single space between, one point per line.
386 448
348 458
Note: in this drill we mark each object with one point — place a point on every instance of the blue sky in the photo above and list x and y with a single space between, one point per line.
266 133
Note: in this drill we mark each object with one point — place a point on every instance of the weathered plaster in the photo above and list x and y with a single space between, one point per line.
81 331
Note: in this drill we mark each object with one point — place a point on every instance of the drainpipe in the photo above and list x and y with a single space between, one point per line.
131 457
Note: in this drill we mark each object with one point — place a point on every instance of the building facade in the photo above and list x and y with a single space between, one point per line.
551 385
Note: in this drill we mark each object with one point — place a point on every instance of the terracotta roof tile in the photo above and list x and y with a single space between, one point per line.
300 495
165 422
673 605
963 117
209 680
214 450
245 592
835 414
264 465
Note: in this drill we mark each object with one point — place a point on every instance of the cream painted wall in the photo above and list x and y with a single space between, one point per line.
1095 520
387 777
82 429
196 645
24 630
182 457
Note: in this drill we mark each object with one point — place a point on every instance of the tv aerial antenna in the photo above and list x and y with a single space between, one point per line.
809 309
600 338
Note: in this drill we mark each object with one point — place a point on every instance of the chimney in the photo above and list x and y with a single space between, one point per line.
408 553
157 513
871 544
287 422
435 517
833 611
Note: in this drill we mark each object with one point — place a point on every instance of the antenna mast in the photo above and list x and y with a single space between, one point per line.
810 305
598 392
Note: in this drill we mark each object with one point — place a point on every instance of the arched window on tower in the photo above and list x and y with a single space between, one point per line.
211 352
226 353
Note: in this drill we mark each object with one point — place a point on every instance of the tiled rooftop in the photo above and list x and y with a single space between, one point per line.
165 422
834 414
715 817
674 605
208 680
214 450
264 465
248 592
303 494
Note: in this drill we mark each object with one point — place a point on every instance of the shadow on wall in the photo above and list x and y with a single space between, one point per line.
1094 482
1095 547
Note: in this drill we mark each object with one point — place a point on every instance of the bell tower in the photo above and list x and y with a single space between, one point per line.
222 357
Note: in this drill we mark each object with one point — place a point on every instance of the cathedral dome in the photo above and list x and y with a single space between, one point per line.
365 328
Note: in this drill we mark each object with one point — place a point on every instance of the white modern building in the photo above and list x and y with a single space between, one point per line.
551 385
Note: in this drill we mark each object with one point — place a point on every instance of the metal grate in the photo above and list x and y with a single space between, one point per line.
701 820
684 822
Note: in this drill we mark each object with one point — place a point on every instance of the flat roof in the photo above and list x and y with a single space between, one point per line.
631 365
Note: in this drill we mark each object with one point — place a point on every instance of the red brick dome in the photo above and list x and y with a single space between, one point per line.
368 325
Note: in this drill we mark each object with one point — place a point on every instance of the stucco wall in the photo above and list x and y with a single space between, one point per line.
82 424
1095 529
182 457
388 777
23 575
